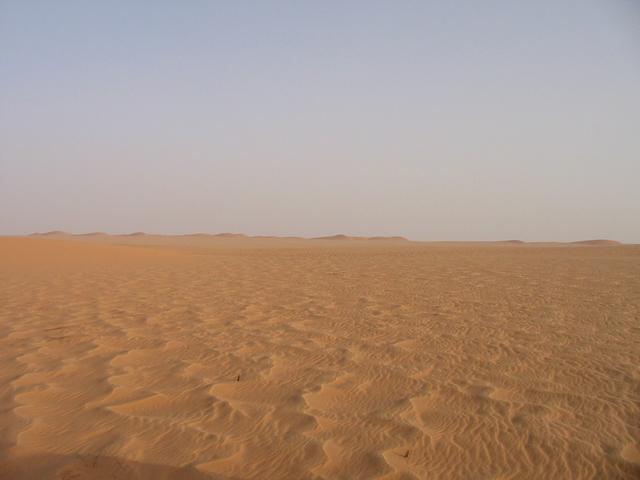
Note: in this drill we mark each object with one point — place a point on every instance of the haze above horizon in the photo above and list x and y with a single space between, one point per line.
434 121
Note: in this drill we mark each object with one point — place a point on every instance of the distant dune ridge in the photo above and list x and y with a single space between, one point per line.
391 238
230 235
226 235
340 237
51 233
598 242
202 235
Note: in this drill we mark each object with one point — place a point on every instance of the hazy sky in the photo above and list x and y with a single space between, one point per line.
431 119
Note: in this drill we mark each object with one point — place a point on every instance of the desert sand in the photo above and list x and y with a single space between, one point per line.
228 357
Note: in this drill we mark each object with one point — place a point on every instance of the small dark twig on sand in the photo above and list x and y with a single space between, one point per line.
238 378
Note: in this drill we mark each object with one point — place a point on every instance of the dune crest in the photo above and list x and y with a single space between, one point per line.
229 235
597 242
166 239
395 238
339 236
49 234
344 237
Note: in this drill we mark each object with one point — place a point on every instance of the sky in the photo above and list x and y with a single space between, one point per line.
434 120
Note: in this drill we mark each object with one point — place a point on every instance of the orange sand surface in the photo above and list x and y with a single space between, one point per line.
231 357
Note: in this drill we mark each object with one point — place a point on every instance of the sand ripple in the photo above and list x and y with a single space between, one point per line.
318 361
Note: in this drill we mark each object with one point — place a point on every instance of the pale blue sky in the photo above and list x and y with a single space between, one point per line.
453 120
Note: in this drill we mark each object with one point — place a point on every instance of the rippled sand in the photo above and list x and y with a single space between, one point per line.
271 359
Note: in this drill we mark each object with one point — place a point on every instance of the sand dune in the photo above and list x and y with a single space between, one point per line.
343 237
600 242
50 233
165 357
147 238
230 235
390 238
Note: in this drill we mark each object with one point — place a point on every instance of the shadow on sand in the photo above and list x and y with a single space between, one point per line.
95 467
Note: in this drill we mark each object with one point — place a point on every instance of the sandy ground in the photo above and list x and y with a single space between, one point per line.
222 358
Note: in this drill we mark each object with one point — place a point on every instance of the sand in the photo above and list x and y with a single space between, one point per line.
233 357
